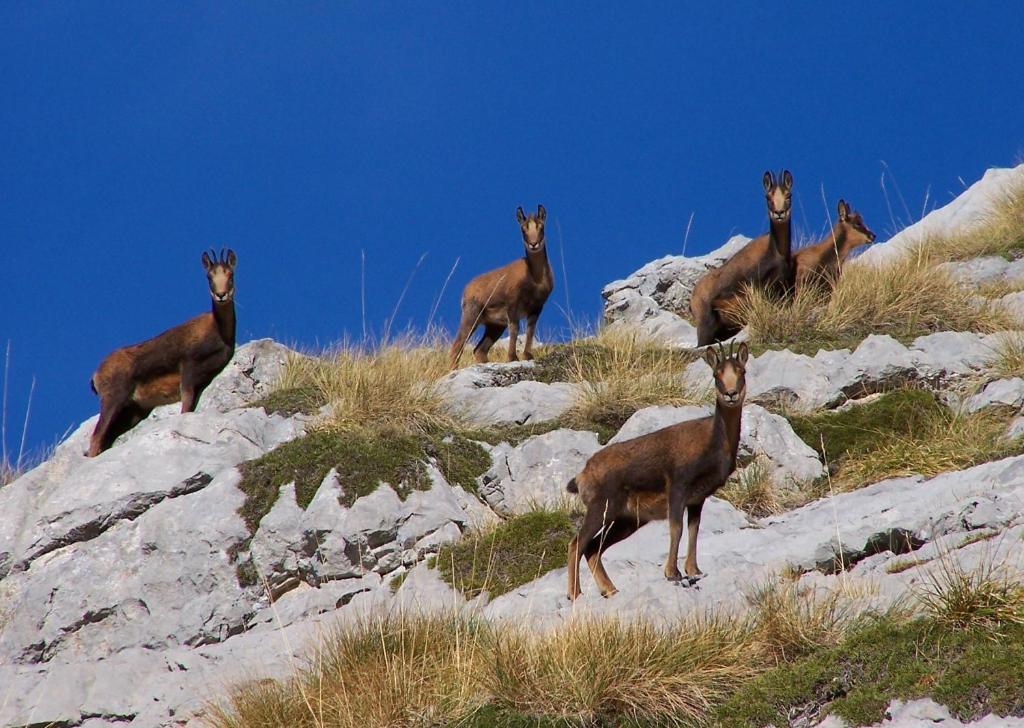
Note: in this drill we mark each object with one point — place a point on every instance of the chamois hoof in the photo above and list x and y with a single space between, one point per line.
674 578
528 357
610 593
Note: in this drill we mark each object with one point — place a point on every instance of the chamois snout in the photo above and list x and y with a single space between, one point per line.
220 273
863 234
730 373
532 227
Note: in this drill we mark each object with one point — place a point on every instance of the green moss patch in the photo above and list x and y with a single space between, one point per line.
972 672
362 461
294 400
517 434
508 555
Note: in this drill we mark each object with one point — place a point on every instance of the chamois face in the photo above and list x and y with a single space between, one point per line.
857 232
779 194
730 374
532 227
220 274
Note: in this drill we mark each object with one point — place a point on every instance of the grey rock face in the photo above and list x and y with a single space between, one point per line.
535 472
250 374
1000 393
501 394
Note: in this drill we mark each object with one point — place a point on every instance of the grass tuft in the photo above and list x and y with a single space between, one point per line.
752 490
906 298
508 555
988 596
904 432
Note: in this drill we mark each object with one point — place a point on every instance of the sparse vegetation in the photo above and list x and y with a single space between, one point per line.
292 400
753 490
1008 356
503 557
362 461
904 432
1001 232
619 372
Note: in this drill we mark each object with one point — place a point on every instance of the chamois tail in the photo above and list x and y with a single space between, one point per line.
572 487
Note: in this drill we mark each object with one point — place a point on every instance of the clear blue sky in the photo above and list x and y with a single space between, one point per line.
137 134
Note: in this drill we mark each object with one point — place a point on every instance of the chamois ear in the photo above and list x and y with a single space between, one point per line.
542 214
768 180
520 215
844 210
232 259
787 181
711 357
742 354
207 261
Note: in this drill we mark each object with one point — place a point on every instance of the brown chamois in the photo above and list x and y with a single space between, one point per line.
652 477
821 264
177 364
499 298
764 261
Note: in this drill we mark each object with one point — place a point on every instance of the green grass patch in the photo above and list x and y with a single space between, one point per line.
509 555
903 432
293 400
970 671
587 358
517 434
362 461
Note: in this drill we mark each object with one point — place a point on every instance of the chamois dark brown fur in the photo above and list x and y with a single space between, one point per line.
654 476
821 264
499 298
175 365
764 261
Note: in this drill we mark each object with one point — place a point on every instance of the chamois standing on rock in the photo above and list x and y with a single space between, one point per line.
766 261
821 264
499 298
652 477
177 364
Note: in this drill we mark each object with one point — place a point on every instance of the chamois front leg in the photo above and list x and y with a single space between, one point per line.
192 387
110 410
492 332
692 526
675 528
531 326
513 335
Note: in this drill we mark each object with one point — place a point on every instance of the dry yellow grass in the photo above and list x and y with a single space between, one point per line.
386 388
753 490
1008 356
1000 232
906 298
988 595
619 372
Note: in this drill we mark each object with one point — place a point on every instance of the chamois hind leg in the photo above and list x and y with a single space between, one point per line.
620 529
531 327
492 332
692 526
111 406
469 322
513 335
599 515
707 328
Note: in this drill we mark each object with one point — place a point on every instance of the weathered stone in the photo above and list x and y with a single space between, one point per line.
535 472
1000 393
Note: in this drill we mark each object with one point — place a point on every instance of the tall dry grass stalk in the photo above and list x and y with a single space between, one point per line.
606 668
388 387
905 298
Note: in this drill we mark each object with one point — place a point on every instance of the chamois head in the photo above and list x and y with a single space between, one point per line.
730 373
532 227
220 273
857 233
779 193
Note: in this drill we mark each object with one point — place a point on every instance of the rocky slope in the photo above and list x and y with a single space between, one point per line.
124 597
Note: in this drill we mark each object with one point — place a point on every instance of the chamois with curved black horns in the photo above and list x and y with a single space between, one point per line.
821 264
654 476
764 261
499 298
175 365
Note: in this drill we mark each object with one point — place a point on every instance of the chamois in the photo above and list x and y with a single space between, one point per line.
652 477
821 264
177 364
499 298
766 260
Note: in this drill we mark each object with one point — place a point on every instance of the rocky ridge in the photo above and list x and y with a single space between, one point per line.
122 601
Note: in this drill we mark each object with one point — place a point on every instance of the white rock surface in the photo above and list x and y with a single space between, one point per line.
503 394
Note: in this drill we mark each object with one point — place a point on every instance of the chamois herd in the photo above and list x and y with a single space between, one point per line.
623 486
